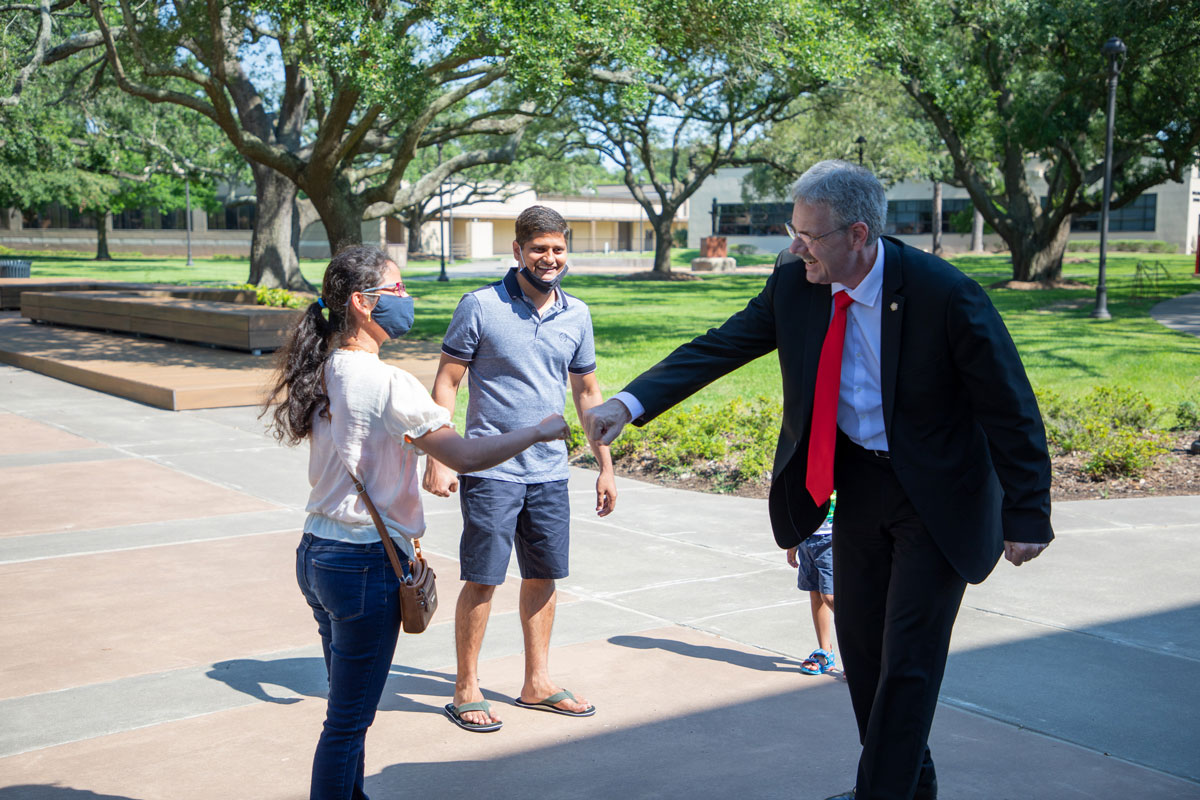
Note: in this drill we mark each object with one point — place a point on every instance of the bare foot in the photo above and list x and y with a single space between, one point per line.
536 694
473 695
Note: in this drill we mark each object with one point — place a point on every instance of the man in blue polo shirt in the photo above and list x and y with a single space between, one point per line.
522 340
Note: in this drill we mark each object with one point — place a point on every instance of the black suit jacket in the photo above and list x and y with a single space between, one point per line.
963 428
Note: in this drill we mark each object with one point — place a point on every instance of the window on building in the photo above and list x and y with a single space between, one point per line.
233 218
150 219
1140 215
752 219
957 215
56 215
908 217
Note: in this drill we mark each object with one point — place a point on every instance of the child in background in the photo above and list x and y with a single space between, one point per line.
814 558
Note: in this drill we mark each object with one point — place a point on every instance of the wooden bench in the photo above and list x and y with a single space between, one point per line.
11 289
166 314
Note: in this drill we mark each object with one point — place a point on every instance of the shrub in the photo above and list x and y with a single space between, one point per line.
1124 406
733 443
1064 428
278 298
1110 426
1120 452
1187 416
1124 245
679 235
745 249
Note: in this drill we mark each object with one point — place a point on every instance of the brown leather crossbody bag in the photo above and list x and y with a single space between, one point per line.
418 591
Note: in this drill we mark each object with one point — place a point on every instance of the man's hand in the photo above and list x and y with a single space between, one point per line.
791 556
606 494
1020 552
604 422
439 479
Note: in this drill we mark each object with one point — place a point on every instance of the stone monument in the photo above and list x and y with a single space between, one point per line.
714 256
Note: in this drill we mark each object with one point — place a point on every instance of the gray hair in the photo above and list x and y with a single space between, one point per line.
851 193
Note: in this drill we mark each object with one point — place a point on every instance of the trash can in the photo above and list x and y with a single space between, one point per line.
14 267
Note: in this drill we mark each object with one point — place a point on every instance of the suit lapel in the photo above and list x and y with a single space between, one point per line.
890 325
820 311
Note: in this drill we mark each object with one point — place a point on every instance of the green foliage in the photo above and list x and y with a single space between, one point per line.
733 442
279 298
713 74
1187 416
1011 83
900 143
1122 406
1123 245
1111 426
1120 452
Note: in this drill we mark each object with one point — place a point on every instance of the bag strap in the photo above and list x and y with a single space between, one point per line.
388 544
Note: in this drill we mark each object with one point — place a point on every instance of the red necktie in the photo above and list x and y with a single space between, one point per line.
823 434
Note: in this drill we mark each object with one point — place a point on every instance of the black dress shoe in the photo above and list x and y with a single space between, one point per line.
927 792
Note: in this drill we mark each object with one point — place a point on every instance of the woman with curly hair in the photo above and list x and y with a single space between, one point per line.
368 420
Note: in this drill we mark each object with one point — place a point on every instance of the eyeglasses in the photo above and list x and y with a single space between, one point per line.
808 238
396 288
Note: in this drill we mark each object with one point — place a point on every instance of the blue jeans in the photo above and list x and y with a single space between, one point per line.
352 590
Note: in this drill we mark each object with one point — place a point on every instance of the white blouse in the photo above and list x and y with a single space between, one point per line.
377 410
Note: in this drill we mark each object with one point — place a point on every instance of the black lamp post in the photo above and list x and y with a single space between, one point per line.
1114 49
442 276
187 199
860 141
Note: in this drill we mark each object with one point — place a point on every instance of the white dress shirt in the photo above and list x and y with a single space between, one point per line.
860 397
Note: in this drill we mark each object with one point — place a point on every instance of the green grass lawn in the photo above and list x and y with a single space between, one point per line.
637 323
168 269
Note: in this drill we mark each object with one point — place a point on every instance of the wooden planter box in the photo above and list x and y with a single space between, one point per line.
11 289
163 313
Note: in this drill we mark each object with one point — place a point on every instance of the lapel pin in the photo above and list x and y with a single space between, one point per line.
895 306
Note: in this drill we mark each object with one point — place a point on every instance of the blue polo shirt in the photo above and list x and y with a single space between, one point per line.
519 363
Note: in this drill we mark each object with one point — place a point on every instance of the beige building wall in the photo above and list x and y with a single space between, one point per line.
1177 213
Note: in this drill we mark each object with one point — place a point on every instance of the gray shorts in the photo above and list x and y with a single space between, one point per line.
537 516
815 555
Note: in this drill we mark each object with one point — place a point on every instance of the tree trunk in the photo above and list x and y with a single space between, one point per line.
342 217
102 253
977 231
937 218
1039 257
662 241
413 225
273 253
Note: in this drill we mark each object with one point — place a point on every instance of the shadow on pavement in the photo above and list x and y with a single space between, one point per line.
306 676
752 749
31 791
740 658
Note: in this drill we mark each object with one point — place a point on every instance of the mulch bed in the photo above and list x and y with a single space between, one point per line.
1174 473
651 275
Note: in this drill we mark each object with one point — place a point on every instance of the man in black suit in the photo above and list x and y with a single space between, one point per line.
938 453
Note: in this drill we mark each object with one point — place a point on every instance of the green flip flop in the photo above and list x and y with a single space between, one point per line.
455 714
549 705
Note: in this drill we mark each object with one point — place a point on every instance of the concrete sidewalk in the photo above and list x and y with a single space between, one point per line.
1181 313
156 647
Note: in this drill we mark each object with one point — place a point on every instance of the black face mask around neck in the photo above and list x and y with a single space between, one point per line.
538 283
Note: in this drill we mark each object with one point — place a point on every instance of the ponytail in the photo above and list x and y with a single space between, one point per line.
299 387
